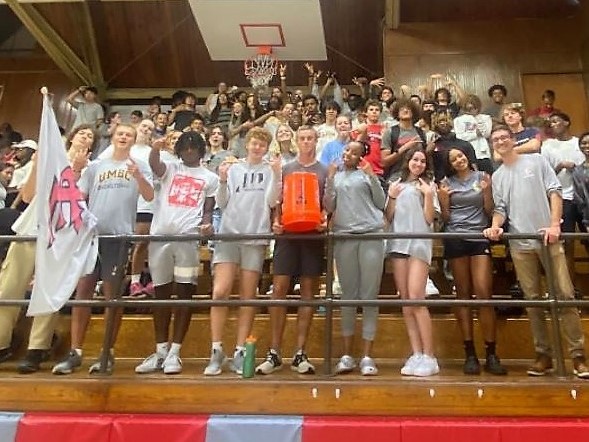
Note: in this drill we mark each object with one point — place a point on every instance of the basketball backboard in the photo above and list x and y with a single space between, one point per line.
234 29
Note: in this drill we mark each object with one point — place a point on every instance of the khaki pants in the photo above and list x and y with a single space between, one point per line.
527 268
15 277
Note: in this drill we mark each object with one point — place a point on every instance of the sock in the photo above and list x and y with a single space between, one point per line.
469 348
78 351
175 349
239 348
161 348
218 345
135 278
490 348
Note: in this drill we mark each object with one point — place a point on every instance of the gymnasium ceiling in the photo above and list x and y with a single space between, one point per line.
126 46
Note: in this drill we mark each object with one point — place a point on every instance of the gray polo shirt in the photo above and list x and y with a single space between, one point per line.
521 191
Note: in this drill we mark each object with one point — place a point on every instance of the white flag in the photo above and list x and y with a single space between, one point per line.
66 243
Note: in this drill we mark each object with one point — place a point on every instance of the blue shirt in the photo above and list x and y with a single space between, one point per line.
332 153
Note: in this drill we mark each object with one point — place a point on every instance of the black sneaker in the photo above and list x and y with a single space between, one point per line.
69 364
5 354
471 365
32 361
493 366
271 364
96 367
301 364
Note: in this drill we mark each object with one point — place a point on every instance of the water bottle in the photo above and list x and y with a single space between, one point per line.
249 361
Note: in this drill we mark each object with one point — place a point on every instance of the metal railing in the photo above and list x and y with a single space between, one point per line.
329 303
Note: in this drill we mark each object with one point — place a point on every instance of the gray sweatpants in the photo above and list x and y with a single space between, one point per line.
359 266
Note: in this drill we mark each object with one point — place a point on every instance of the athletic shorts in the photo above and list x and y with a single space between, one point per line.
144 217
111 264
459 248
247 256
299 257
174 262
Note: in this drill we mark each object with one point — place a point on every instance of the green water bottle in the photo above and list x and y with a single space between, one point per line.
249 361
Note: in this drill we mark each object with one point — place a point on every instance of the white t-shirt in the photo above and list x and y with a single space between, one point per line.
21 175
557 151
181 198
26 223
325 134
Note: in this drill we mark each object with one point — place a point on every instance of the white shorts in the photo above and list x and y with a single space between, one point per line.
247 256
174 262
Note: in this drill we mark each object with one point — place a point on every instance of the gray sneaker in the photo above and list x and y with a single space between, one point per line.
216 362
237 362
95 367
345 365
368 367
67 366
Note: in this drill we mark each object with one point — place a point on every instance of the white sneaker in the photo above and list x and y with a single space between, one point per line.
428 366
301 364
216 362
430 288
272 363
296 288
150 364
237 362
368 367
345 365
172 364
409 367
336 288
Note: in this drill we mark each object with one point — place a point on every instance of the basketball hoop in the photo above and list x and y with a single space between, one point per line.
260 68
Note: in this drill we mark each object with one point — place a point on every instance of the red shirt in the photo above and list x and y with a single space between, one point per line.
374 140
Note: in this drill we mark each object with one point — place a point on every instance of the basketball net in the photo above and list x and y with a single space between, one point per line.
260 68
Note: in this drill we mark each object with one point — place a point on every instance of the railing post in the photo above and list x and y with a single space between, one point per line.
554 311
328 307
111 314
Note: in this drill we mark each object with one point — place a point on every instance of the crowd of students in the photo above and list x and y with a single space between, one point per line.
382 164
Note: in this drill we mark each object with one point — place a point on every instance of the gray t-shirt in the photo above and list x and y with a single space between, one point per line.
246 198
214 160
467 214
87 113
410 218
394 171
356 201
112 194
521 191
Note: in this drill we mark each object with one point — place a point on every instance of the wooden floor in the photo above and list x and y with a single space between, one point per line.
449 394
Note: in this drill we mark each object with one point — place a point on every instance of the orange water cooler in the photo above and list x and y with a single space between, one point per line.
301 211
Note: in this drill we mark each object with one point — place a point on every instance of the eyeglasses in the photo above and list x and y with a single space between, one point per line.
500 139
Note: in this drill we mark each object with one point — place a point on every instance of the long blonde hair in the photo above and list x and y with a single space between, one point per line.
275 149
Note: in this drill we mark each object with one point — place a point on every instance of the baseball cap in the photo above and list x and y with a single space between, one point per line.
26 143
